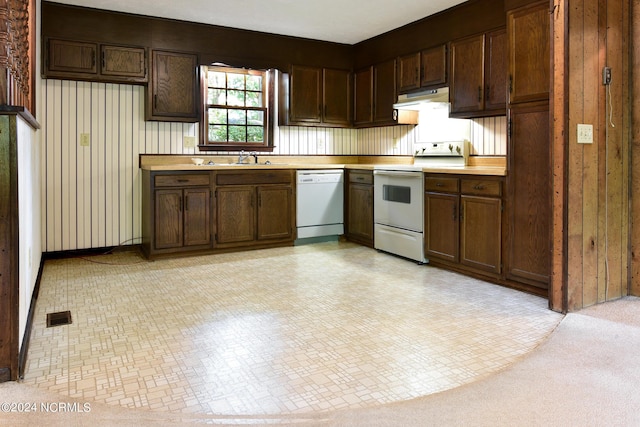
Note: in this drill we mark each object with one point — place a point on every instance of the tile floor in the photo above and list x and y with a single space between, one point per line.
281 331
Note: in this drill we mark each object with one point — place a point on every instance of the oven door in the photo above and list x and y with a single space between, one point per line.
398 199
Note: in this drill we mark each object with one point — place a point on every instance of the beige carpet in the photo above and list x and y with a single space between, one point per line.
586 374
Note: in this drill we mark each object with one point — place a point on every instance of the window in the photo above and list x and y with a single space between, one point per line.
236 113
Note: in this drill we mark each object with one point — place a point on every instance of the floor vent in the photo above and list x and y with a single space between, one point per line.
58 319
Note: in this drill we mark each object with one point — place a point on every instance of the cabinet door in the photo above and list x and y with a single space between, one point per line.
363 93
385 95
305 95
197 219
529 195
70 57
275 212
168 219
496 71
235 214
467 74
434 66
128 63
441 226
173 87
408 72
360 212
529 61
480 233
336 97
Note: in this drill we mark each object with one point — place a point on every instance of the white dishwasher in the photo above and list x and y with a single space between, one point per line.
319 203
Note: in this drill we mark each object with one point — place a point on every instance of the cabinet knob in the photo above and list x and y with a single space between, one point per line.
479 187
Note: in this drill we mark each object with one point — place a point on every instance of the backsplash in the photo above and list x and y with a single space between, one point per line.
489 136
91 194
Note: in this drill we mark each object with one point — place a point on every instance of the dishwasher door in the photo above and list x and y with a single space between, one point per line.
320 203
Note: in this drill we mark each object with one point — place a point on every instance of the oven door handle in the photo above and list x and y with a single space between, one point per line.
398 174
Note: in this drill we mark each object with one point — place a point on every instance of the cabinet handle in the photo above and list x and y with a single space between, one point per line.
455 213
479 187
182 180
479 93
186 203
487 93
510 84
461 213
360 178
439 184
103 61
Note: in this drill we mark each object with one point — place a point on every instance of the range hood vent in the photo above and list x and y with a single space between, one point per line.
417 100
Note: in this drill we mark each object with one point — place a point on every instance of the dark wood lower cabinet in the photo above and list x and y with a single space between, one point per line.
463 223
254 208
176 209
529 195
250 209
359 203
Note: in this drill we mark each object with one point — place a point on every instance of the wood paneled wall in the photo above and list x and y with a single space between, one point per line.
635 147
595 228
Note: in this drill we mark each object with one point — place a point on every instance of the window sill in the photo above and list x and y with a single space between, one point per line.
239 147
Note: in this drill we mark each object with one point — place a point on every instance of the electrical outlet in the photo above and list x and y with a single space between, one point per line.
85 139
189 141
606 76
585 134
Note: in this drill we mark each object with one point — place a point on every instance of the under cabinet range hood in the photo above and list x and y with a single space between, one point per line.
416 101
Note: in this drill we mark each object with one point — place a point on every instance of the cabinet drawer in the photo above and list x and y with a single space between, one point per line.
254 177
182 180
442 184
481 187
361 177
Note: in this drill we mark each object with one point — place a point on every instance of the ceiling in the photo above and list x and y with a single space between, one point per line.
340 21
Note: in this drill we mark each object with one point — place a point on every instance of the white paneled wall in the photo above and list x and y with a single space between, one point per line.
489 136
91 195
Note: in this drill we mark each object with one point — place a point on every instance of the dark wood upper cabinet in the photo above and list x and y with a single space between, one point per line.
384 92
467 74
409 72
434 65
337 96
478 75
70 58
305 95
425 69
317 97
129 63
496 70
78 60
363 95
172 94
529 62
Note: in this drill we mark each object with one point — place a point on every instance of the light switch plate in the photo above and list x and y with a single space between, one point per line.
85 139
189 141
585 134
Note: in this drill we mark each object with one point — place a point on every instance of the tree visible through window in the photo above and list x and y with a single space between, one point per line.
235 114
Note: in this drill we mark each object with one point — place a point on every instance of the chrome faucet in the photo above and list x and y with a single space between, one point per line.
255 156
242 157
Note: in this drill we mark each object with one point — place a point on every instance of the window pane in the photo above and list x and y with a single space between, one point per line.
217 97
237 133
217 116
216 79
235 98
217 133
254 83
255 134
255 118
235 81
237 117
254 99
